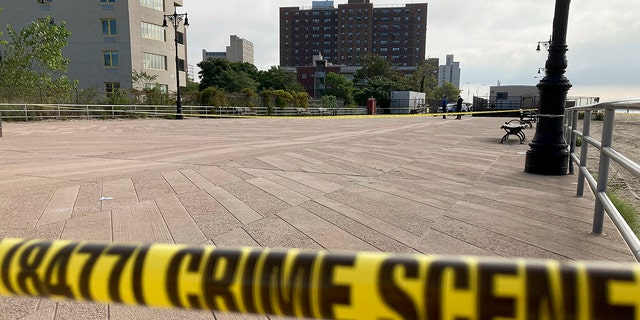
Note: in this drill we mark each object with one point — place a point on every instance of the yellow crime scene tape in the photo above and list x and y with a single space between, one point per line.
319 284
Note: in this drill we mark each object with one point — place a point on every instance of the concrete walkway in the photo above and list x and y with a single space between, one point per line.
395 184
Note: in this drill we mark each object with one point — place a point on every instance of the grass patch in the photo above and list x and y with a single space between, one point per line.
628 212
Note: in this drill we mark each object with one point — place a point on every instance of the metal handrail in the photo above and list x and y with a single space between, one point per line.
607 154
29 112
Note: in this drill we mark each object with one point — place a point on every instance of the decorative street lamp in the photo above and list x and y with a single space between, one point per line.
176 19
548 153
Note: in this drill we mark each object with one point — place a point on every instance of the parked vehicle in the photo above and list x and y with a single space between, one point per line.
451 107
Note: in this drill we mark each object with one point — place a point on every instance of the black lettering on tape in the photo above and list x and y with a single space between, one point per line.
173 272
286 290
600 303
124 253
435 284
138 268
489 305
391 293
540 294
6 266
94 251
220 287
55 277
569 292
30 260
330 293
270 281
247 281
300 278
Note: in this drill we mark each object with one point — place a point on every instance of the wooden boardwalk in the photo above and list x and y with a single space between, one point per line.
412 184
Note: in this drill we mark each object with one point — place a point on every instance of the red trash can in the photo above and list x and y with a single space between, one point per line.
371 106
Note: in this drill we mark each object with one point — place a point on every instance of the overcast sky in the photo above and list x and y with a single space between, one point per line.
493 40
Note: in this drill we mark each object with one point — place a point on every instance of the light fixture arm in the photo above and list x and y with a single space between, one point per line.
546 44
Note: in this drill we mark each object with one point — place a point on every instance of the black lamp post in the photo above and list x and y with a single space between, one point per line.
176 19
548 153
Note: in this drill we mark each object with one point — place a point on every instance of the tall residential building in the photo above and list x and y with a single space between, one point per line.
349 32
238 50
111 38
450 72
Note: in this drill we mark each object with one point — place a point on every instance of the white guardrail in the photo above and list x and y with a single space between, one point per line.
607 154
31 112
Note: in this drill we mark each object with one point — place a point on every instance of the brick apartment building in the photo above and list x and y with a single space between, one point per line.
345 34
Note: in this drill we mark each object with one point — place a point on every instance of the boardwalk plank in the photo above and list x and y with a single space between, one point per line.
60 207
326 234
180 224
283 193
118 193
237 208
179 182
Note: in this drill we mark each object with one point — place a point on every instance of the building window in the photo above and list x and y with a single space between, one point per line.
110 58
111 87
153 31
45 1
107 1
109 27
153 4
154 61
162 88
502 95
180 37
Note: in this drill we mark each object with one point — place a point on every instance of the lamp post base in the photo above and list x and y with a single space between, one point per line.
549 161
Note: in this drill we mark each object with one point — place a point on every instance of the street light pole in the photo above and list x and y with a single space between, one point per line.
176 19
548 153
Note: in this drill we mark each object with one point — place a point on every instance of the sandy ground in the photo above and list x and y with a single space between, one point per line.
626 140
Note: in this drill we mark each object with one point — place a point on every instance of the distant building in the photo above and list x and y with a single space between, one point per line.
312 76
238 50
513 97
450 72
351 31
111 39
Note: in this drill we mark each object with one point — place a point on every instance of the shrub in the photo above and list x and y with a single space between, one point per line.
598 116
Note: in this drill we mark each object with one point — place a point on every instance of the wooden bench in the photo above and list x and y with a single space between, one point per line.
528 118
514 127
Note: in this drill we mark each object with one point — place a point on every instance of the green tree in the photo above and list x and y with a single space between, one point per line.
236 81
248 98
228 76
143 84
212 71
214 96
278 79
377 79
339 86
379 88
247 68
300 99
374 65
33 64
425 78
447 89
1 41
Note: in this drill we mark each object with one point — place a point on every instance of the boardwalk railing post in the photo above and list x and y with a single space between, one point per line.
586 132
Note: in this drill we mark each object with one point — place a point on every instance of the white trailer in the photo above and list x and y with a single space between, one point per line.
407 102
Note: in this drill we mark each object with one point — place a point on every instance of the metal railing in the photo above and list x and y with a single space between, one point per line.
607 154
34 112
